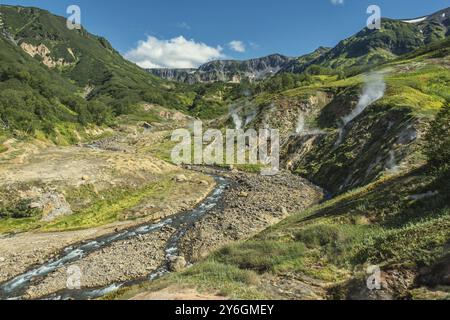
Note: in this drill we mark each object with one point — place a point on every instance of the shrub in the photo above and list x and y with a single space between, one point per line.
318 236
438 140
262 256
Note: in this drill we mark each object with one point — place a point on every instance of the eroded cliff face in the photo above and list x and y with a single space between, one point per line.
178 75
227 70
45 55
382 139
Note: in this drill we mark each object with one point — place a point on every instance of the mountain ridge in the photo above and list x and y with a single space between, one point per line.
227 70
366 47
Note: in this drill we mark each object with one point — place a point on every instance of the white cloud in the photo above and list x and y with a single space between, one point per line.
174 53
237 46
336 2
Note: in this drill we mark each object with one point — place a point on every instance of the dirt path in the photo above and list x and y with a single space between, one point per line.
177 293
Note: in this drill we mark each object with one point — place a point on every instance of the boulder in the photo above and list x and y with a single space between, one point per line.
35 205
177 263
243 194
181 178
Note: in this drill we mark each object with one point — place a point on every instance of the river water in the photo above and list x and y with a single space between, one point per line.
15 288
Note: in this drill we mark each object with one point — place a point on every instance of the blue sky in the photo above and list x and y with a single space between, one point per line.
240 29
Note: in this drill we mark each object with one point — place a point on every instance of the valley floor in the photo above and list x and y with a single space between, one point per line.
294 248
249 204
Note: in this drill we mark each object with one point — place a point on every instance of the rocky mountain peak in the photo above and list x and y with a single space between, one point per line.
227 70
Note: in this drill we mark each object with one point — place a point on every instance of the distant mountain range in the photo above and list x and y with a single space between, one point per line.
367 47
227 70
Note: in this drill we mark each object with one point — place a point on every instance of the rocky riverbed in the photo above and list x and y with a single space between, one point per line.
121 261
250 204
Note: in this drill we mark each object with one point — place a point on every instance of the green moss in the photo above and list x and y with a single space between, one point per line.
262 256
110 209
10 225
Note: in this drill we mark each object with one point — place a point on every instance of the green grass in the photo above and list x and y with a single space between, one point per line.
162 150
210 277
110 209
103 208
425 89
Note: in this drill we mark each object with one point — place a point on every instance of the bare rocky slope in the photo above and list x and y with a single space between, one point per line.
227 70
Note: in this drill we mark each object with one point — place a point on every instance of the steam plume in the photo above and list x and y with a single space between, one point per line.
374 89
237 121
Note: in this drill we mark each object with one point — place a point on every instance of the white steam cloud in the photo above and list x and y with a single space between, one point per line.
237 121
374 89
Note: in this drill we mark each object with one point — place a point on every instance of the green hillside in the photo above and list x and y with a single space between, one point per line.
77 75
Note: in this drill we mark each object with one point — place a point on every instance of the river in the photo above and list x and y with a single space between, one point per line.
15 288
